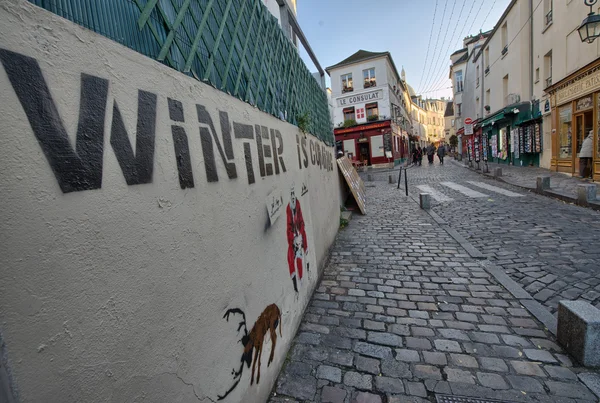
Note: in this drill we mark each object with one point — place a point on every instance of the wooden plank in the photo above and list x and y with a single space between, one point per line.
193 50
356 185
211 59
232 44
169 40
146 11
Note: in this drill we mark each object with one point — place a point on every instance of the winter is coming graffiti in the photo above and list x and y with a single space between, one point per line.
80 168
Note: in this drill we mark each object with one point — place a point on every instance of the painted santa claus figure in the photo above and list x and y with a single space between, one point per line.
297 243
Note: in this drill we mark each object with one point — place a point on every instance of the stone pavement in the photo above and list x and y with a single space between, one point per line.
403 313
526 177
550 247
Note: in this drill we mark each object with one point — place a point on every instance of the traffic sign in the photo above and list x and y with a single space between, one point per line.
468 121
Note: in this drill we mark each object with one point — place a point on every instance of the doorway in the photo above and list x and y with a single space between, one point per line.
364 154
583 125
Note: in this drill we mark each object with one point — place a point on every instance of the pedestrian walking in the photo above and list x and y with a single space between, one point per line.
585 156
430 153
441 152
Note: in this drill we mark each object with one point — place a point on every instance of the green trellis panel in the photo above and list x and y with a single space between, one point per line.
234 45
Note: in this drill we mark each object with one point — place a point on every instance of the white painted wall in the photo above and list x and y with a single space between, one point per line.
515 63
119 293
385 78
569 54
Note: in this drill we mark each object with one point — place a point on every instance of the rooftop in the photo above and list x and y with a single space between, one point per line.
359 57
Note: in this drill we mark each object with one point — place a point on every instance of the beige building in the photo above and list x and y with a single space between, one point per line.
566 75
436 123
536 87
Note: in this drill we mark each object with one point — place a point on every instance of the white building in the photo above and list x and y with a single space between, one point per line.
371 107
565 78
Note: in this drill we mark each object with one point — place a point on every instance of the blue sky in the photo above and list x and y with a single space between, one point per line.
336 29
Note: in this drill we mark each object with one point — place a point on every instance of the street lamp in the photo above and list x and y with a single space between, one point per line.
589 29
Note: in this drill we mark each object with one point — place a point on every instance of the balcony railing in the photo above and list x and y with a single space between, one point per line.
504 50
487 70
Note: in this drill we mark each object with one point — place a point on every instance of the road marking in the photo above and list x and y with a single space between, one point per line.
438 196
464 190
495 189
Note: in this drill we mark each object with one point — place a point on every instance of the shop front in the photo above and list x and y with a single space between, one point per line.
575 103
513 136
370 143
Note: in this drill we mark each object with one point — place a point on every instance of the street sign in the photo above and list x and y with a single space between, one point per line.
468 129
468 121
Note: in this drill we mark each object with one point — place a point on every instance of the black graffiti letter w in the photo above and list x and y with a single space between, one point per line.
74 170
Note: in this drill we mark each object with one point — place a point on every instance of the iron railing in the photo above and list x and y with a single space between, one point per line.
236 46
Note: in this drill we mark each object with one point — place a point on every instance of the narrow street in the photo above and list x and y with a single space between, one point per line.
403 313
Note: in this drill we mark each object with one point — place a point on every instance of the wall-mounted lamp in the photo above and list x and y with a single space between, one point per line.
589 29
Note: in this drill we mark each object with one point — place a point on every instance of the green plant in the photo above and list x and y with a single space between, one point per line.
453 141
349 122
372 118
303 122
343 222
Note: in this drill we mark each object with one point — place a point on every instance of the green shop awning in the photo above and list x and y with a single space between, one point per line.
492 119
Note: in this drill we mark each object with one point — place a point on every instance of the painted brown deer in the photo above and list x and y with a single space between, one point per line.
268 321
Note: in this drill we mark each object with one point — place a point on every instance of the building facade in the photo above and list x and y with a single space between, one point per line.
537 88
566 75
371 108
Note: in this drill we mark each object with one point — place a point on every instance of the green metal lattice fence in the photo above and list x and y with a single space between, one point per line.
236 46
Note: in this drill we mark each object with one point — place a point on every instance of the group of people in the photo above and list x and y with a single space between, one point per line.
430 151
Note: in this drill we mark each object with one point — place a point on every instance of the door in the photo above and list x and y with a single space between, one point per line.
364 154
583 125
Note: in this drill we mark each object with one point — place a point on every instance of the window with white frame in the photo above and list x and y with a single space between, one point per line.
369 77
347 85
458 77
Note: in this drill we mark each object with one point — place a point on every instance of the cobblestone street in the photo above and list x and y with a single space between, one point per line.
404 313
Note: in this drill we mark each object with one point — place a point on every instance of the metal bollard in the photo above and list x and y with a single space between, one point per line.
391 179
424 201
586 193
542 183
369 178
497 172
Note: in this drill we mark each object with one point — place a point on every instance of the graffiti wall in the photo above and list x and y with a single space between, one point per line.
160 238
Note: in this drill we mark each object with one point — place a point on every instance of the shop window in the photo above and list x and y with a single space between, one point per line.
372 111
350 148
349 114
369 77
377 149
347 83
565 133
598 127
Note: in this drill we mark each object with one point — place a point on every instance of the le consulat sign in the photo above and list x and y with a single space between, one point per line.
360 98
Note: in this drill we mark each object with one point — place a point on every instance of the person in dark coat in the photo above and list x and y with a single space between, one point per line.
441 152
430 153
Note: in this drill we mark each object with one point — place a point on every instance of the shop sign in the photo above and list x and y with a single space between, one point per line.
360 98
363 140
362 128
584 103
547 106
579 88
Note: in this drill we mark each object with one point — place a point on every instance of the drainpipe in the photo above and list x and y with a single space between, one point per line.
531 51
